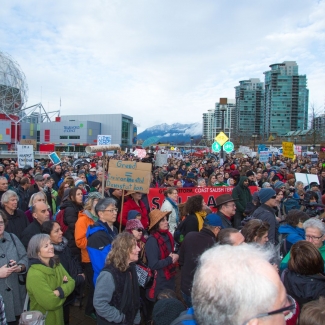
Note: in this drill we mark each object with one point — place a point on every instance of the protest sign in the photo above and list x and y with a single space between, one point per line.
288 151
156 195
54 158
161 159
28 142
264 156
306 178
25 155
105 140
129 175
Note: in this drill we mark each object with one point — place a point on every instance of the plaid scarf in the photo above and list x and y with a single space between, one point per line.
169 270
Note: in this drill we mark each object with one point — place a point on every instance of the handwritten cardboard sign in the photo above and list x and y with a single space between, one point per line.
288 151
25 155
129 175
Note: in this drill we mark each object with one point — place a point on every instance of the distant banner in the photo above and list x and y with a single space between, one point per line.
156 195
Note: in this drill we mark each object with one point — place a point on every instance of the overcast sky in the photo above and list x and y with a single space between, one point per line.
158 61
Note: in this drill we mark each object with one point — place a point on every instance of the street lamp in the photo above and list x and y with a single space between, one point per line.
254 136
223 109
191 145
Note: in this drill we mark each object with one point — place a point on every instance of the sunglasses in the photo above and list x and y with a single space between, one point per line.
139 229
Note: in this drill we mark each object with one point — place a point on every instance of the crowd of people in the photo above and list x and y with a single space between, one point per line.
254 256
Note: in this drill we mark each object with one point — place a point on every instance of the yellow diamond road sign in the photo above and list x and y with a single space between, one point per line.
221 138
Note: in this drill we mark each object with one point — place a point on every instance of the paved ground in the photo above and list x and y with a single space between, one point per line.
77 317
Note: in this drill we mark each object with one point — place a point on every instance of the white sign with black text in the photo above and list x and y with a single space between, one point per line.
25 155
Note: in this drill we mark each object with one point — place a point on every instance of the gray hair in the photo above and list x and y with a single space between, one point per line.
34 196
200 181
35 243
3 178
103 204
298 183
224 293
6 196
315 223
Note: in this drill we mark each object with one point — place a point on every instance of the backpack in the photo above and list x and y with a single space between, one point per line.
185 318
32 317
59 220
178 233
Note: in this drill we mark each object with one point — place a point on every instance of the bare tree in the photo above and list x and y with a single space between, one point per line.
316 118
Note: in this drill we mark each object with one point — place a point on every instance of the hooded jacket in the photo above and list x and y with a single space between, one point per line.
71 211
304 288
16 222
41 281
99 240
85 219
294 234
242 194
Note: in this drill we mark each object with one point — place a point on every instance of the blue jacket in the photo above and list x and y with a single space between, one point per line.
91 178
185 318
99 240
295 234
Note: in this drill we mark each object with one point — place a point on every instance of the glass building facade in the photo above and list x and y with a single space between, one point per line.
286 99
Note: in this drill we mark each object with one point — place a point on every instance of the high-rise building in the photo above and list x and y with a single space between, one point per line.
212 120
286 99
249 107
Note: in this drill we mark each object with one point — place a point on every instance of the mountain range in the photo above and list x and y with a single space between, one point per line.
176 133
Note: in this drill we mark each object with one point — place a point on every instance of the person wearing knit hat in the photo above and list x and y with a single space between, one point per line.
266 212
166 311
134 214
160 253
279 185
78 182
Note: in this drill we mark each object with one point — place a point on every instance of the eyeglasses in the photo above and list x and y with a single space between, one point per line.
273 197
313 238
139 229
291 307
111 210
2 223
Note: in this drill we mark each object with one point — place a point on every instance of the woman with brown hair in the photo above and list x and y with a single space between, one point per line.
160 253
304 278
62 188
117 297
256 231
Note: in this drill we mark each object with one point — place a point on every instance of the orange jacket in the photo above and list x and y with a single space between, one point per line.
84 221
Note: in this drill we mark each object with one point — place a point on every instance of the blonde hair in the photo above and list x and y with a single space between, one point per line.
121 248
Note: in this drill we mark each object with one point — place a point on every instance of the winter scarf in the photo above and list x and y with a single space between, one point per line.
169 270
173 203
200 215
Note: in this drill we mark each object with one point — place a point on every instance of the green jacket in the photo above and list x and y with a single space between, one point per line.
242 195
41 282
285 261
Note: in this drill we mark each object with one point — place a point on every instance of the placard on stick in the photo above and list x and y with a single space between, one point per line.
129 175
25 155
54 158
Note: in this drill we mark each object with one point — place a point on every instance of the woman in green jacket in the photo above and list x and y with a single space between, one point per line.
48 283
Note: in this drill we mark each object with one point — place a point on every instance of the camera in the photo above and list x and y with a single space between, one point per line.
11 264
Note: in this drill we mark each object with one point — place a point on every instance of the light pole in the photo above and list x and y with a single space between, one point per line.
254 136
191 146
223 108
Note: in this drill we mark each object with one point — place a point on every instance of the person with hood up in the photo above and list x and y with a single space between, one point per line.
242 196
293 229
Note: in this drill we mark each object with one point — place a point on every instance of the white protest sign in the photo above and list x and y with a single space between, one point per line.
25 155
105 140
264 156
306 178
161 159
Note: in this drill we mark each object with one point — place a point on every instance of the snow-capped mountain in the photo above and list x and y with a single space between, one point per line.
176 132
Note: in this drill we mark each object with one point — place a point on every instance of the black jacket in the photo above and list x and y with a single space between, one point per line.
71 211
193 246
266 213
23 198
33 228
226 223
304 288
16 222
190 224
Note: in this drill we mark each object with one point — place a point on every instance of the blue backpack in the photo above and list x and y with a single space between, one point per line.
185 318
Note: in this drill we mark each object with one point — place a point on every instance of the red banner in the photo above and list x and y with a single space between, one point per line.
156 195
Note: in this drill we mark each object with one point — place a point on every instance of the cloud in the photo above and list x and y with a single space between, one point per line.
158 61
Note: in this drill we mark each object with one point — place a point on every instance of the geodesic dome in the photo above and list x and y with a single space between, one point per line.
13 85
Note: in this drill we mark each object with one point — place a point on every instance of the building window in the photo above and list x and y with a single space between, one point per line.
63 137
74 137
125 131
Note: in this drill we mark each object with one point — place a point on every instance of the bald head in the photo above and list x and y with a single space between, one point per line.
40 212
